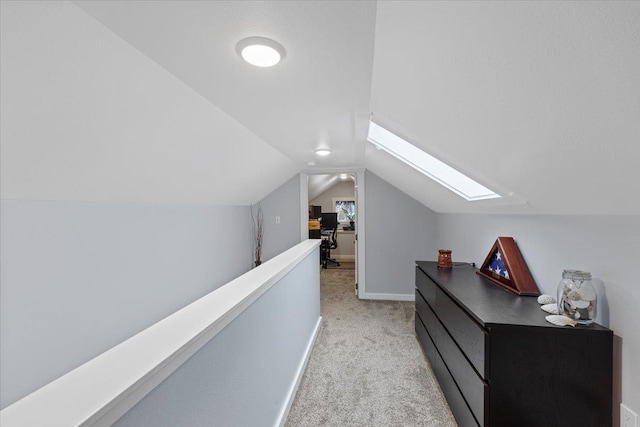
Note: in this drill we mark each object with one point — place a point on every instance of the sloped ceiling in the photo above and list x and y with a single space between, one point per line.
314 98
539 100
86 117
318 184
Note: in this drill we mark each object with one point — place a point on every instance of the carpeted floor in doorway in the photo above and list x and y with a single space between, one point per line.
366 368
344 265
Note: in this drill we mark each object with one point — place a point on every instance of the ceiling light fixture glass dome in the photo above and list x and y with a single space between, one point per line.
260 51
323 152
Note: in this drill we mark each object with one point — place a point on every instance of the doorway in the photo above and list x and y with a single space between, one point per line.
340 194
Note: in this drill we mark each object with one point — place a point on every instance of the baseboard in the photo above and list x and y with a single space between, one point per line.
345 258
389 297
284 412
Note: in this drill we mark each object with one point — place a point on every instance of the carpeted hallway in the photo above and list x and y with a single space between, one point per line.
366 368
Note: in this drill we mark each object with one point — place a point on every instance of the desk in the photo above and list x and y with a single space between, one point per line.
346 250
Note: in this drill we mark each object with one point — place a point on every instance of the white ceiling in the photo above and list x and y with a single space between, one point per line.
320 183
86 117
535 99
309 100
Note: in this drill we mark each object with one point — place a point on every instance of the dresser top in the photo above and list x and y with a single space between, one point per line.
488 303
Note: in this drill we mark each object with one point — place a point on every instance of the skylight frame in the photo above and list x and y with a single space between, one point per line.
437 170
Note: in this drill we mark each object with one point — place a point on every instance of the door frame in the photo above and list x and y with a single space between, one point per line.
360 215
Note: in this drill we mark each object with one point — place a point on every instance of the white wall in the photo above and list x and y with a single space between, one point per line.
399 231
284 202
607 246
242 377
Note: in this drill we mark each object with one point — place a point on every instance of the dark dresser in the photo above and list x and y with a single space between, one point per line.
500 363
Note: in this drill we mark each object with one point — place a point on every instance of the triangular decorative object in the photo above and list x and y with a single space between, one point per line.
505 267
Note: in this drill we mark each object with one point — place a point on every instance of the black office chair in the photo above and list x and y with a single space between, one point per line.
327 244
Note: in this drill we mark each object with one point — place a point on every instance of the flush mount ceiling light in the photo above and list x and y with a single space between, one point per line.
260 51
428 165
323 152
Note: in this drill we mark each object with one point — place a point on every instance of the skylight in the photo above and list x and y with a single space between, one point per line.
428 165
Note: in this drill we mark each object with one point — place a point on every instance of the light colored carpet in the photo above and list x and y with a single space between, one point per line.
366 368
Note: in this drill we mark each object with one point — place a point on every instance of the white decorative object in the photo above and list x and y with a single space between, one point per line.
546 299
551 308
580 303
560 320
588 294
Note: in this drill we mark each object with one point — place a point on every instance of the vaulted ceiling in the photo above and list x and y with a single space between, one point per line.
539 100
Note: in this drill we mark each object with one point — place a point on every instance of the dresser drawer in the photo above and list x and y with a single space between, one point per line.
426 314
473 388
426 341
464 330
426 286
456 402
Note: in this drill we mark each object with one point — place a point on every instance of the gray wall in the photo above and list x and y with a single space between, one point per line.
243 375
285 203
607 246
98 126
78 278
399 230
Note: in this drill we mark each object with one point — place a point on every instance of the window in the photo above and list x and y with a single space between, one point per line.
345 207
428 165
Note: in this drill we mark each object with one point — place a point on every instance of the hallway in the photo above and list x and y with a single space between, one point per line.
366 368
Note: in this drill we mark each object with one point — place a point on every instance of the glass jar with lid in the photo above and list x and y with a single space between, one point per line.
577 296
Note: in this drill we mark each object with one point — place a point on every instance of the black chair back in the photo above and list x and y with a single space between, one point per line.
334 238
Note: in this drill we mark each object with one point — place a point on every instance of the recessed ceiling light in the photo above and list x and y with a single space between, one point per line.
323 152
343 176
260 51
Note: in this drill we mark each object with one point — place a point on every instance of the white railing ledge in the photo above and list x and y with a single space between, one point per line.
106 387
